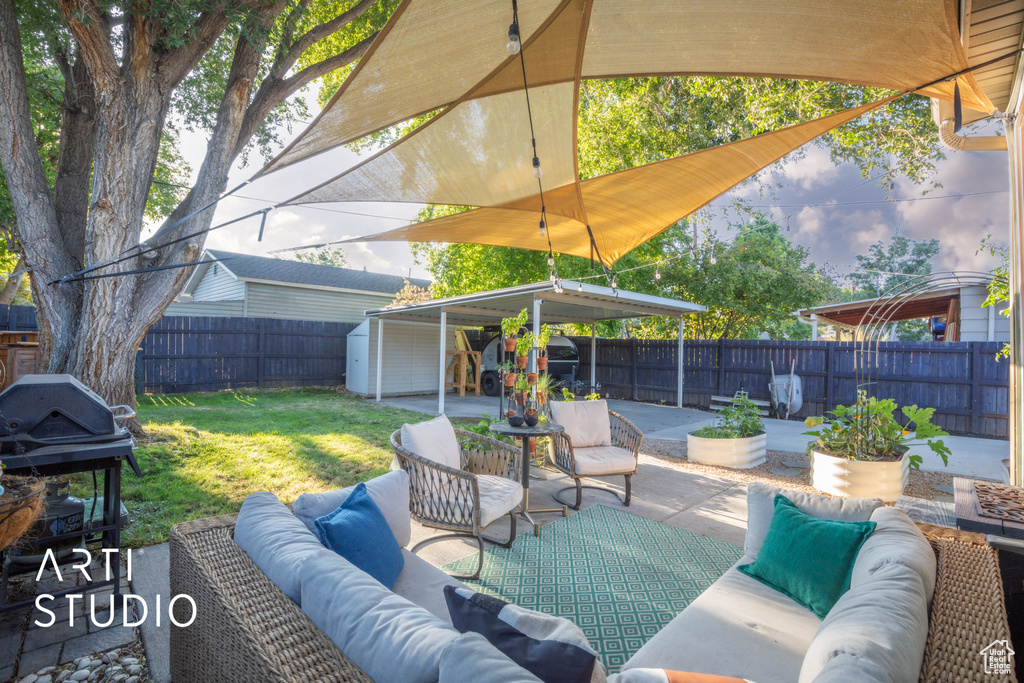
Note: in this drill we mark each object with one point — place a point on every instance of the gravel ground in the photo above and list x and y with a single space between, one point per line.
674 452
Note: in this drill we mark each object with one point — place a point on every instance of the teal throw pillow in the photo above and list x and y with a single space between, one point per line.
358 531
807 558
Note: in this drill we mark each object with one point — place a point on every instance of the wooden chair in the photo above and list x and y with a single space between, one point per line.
463 501
619 458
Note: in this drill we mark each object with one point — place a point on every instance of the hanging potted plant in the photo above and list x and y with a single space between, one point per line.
510 328
542 347
736 439
509 368
523 346
544 382
862 451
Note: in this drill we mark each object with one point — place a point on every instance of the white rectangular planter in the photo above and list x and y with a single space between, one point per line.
859 478
737 453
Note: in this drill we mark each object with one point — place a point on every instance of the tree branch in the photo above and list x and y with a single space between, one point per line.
87 26
177 63
273 92
316 34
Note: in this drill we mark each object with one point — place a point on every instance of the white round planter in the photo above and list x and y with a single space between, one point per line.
859 478
737 453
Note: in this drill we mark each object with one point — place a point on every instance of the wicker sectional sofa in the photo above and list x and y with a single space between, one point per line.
247 628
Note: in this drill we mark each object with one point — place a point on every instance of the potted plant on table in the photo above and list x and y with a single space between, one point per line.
736 439
542 347
510 328
862 451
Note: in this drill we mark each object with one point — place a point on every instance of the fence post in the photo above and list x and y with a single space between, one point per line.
829 376
633 354
975 370
721 366
261 351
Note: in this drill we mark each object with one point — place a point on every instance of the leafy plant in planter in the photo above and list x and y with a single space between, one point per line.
740 420
510 328
523 346
737 438
868 430
522 388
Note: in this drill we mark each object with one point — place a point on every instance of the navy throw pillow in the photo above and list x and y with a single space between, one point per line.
358 531
552 661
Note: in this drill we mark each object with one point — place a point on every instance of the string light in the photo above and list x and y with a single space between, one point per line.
713 260
537 170
543 228
657 272
514 44
614 284
551 260
580 287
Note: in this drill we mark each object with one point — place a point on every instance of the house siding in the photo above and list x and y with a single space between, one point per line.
219 285
411 358
216 309
974 319
299 303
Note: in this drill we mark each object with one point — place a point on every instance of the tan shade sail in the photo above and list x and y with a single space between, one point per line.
434 52
624 209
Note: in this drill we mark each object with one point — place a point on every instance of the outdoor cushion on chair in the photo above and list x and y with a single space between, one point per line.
434 440
597 461
585 422
498 495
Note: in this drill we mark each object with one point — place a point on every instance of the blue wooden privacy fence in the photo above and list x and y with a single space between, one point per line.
208 354
963 381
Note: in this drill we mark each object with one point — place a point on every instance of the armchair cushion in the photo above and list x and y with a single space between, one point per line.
434 440
498 496
586 423
389 491
597 461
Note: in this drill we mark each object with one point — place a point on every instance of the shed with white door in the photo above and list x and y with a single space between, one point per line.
405 355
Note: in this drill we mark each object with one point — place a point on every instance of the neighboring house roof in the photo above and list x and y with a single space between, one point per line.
247 267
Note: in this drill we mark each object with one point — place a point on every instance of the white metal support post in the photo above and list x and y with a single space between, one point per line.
536 333
380 352
679 379
441 373
593 357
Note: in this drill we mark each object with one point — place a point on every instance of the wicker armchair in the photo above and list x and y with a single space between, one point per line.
625 435
446 498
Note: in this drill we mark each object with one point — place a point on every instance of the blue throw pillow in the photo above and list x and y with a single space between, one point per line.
358 532
521 636
807 558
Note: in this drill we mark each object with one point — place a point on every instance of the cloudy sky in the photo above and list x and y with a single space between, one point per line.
829 209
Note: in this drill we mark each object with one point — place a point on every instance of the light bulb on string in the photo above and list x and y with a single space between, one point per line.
551 260
537 171
553 276
579 288
558 286
614 284
514 45
713 260
657 272
543 229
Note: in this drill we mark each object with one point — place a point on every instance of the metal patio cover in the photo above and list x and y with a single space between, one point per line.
449 55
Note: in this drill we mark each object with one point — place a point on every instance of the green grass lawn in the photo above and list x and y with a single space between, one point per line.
204 453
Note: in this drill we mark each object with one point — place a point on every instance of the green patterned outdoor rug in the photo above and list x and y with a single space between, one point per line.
620 577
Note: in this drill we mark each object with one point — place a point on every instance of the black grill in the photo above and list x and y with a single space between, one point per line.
55 426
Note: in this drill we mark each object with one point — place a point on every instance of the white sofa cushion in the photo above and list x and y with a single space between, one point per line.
586 423
761 509
498 496
470 658
423 584
896 540
389 491
385 635
737 627
596 461
882 622
276 541
434 440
